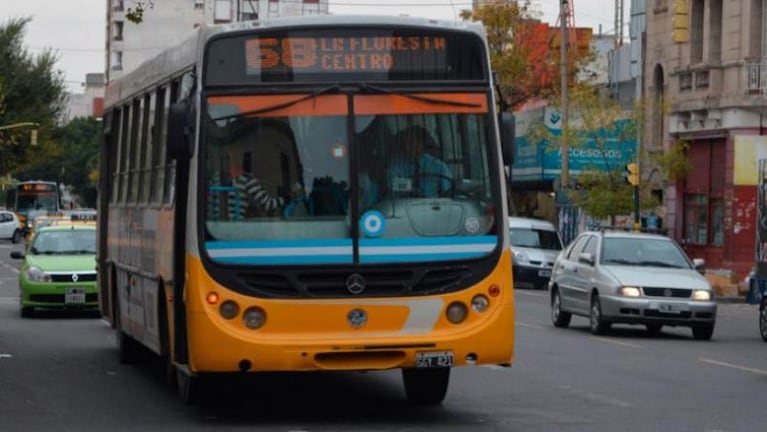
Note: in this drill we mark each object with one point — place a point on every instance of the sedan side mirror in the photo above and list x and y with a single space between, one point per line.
17 255
700 265
586 257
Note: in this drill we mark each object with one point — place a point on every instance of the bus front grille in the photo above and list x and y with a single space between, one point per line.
377 283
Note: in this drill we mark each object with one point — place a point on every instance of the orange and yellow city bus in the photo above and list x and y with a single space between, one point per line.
32 198
265 206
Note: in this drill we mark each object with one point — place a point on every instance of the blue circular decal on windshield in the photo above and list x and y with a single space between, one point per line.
373 223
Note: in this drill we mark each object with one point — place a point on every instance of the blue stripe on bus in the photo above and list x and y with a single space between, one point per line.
258 244
295 259
371 259
430 241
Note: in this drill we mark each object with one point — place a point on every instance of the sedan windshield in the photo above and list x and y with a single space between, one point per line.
533 238
648 252
64 242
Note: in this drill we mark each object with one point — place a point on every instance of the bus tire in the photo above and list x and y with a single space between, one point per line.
190 387
128 349
17 237
426 386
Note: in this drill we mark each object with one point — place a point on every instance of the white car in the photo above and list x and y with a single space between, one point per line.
631 278
10 228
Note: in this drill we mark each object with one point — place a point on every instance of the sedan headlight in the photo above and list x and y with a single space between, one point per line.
34 274
701 295
630 291
520 257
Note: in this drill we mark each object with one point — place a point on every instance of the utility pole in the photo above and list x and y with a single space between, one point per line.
563 20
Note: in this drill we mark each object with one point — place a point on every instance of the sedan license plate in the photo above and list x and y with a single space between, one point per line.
440 359
544 273
672 307
74 295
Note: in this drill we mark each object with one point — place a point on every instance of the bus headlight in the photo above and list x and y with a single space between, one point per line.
480 303
228 309
456 312
34 274
254 317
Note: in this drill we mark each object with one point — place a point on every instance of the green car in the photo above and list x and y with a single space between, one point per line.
59 269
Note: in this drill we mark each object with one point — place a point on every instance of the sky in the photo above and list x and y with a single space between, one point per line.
75 29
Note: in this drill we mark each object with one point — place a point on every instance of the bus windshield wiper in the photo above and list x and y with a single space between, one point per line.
330 89
416 97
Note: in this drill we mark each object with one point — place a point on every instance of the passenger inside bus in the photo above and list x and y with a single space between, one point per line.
268 183
415 167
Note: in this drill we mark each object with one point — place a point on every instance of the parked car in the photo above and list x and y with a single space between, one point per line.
535 245
631 278
59 269
10 227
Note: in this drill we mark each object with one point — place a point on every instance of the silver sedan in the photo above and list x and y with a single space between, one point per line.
631 278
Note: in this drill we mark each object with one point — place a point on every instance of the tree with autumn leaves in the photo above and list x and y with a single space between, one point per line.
524 53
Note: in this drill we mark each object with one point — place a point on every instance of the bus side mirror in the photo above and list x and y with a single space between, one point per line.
508 136
179 141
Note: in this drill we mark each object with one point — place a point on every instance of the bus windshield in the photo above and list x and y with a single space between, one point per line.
279 178
37 201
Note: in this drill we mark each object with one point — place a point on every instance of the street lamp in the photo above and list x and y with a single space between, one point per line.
32 133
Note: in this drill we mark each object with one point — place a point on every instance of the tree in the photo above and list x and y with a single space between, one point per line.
32 91
521 50
135 12
79 144
599 122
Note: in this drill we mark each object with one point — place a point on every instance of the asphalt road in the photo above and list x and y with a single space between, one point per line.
61 373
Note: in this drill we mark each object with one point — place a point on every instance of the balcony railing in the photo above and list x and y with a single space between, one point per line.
756 77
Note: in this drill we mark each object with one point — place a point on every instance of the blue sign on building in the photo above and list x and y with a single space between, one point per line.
542 160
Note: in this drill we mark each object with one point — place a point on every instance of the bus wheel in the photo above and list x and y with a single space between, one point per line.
128 348
426 386
190 387
16 237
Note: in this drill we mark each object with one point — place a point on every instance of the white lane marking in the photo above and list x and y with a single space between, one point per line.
533 326
615 342
734 366
496 367
596 397
532 293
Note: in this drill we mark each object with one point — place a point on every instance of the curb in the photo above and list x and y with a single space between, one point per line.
730 299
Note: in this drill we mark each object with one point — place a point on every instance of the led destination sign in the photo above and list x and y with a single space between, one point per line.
340 54
345 55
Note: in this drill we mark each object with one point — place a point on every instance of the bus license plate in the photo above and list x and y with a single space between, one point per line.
74 295
433 359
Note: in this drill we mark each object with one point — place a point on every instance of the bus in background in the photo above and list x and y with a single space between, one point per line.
309 194
35 197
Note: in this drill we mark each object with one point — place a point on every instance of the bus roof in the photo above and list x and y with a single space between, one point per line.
183 56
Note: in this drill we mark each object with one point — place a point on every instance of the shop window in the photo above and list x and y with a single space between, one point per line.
717 221
696 219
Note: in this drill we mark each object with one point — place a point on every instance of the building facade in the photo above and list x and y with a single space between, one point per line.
88 103
706 85
167 22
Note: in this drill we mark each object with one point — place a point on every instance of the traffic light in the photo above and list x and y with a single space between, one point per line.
632 174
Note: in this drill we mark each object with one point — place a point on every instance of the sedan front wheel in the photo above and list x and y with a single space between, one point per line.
559 317
763 320
597 324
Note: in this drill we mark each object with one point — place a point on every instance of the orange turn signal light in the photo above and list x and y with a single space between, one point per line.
212 298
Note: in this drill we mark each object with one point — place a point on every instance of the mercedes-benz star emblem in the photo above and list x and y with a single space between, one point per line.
355 283
357 318
75 277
